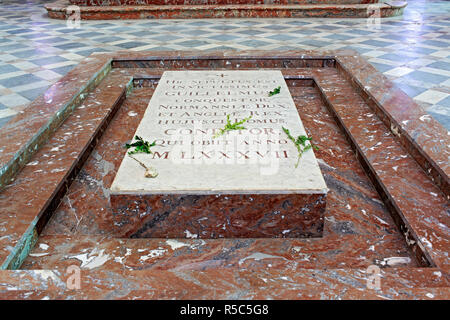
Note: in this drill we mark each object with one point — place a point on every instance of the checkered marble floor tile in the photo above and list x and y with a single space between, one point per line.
412 50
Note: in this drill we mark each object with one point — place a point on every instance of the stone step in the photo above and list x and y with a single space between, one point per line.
243 188
59 10
105 3
227 283
57 252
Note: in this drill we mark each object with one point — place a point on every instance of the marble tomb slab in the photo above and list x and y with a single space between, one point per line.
243 183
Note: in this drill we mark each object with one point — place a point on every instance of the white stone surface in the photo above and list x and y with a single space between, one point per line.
257 159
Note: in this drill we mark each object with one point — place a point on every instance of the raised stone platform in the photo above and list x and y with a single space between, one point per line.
227 9
244 183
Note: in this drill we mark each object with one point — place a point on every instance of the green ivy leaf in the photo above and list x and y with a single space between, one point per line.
237 125
300 144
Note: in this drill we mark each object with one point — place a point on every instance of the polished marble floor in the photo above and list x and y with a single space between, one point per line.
412 50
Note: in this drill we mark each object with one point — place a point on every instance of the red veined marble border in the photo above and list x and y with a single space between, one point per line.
61 9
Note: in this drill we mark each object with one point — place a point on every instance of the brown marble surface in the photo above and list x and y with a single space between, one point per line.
376 182
48 171
30 129
219 215
227 283
208 2
422 136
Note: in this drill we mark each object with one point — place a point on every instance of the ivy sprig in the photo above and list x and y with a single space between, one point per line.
275 91
140 145
237 125
300 144
150 172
